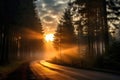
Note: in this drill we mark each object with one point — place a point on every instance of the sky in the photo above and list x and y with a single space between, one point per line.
50 11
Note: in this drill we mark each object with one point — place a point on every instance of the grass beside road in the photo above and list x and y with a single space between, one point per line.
108 69
6 69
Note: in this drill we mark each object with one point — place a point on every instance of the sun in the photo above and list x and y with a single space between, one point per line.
49 37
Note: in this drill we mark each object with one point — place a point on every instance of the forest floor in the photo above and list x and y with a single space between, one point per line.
11 67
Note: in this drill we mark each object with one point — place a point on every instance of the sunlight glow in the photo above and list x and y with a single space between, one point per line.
49 37
50 51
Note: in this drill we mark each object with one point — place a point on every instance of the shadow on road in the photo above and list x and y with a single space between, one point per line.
22 73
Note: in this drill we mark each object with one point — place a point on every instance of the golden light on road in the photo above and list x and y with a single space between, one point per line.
49 37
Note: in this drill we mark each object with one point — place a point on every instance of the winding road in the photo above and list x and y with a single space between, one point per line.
49 71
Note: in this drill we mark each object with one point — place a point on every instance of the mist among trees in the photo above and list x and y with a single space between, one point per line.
89 25
19 24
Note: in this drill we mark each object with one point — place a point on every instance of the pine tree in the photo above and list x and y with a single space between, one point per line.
90 18
68 28
65 31
17 16
28 20
113 13
113 17
7 17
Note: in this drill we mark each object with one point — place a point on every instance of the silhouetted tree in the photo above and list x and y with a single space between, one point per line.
29 21
113 13
79 13
7 16
92 30
16 17
65 34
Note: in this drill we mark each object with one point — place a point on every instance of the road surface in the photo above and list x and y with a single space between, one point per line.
22 73
50 71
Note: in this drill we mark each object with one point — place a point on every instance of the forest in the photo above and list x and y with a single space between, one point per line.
91 28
